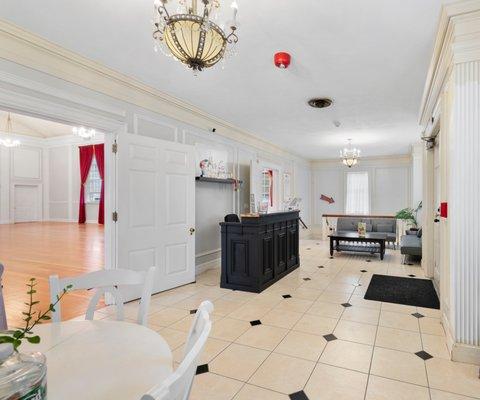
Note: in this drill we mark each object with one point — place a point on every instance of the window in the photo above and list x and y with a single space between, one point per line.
357 198
267 187
93 185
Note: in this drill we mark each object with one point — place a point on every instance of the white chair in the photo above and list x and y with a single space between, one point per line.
107 281
179 384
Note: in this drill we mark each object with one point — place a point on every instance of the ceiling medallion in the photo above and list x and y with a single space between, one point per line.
350 155
320 102
192 34
84 133
7 142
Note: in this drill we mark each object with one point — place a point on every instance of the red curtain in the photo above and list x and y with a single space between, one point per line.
99 156
86 157
270 174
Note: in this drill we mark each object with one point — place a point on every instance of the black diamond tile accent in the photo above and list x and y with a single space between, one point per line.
318 244
418 315
331 257
321 266
368 260
346 305
330 337
363 270
287 296
411 276
308 248
202 369
298 396
193 311
256 322
423 355
306 279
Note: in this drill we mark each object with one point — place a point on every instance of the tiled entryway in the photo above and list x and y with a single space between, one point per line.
315 338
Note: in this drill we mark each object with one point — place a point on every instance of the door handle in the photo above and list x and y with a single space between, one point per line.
192 231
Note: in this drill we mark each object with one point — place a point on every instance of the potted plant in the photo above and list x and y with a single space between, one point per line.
24 376
409 215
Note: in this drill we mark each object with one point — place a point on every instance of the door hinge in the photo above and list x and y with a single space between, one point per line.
114 147
115 216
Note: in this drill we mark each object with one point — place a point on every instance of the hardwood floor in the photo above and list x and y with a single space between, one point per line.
40 249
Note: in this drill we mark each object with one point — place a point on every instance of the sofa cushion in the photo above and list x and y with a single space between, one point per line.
347 224
386 228
411 245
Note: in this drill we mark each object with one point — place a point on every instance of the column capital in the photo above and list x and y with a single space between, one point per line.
457 41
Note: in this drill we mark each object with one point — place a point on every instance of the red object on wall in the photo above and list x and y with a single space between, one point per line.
86 157
444 210
282 60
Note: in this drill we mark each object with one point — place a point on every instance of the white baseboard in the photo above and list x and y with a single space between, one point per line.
466 353
458 351
201 268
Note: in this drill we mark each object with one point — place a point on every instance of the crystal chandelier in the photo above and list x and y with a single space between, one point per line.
350 155
7 142
84 133
191 33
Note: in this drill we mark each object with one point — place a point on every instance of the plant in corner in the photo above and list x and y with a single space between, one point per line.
409 215
31 318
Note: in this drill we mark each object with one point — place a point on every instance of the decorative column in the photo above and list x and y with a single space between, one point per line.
464 197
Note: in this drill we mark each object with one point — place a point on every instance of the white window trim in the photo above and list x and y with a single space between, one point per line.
345 189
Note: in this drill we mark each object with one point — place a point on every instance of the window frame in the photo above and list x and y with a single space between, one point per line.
369 191
91 181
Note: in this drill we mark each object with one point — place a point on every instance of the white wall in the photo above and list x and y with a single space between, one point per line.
417 177
389 183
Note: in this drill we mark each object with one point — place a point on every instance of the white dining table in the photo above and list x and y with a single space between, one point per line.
99 360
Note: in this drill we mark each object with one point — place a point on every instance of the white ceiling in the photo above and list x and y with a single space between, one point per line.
35 127
371 57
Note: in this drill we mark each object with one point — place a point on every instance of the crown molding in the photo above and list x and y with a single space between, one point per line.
457 41
393 160
32 51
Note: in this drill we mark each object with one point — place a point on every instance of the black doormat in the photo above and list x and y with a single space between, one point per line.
408 291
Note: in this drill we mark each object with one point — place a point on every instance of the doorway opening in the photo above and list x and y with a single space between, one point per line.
52 191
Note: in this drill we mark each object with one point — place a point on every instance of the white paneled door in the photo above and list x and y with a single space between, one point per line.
156 209
26 203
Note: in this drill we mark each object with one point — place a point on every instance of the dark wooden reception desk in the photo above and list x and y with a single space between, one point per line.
259 250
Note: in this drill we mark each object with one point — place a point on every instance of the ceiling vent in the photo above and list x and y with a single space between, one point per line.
320 103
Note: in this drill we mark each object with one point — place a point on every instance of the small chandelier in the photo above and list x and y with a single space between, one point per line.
191 35
7 142
350 155
84 133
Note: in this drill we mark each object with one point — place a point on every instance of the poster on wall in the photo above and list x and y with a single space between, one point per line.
211 162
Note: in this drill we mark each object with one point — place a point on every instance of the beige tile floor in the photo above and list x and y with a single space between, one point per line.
286 356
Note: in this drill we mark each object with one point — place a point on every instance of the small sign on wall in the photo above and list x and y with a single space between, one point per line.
329 200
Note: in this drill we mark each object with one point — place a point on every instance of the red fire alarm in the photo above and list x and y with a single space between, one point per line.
444 210
282 60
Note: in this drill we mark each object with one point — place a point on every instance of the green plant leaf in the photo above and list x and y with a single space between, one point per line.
34 339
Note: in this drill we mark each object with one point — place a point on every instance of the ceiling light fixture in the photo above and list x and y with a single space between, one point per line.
192 34
350 155
7 142
84 133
